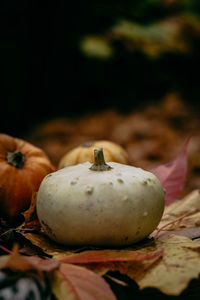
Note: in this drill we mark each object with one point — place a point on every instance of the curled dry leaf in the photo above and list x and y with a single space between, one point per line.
107 256
30 215
173 175
77 283
48 246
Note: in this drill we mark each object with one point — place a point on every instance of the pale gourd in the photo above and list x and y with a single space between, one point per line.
100 204
85 152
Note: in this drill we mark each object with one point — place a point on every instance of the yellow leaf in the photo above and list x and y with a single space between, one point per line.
171 274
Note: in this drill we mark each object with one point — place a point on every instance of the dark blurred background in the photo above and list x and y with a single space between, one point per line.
61 59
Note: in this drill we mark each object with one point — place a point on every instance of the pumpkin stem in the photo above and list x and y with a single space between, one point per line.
99 162
15 159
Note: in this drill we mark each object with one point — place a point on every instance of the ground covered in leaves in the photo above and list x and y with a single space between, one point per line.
161 138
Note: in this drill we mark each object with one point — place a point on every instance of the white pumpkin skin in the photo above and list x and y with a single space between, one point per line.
78 206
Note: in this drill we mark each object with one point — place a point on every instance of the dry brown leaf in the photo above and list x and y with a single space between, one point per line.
30 215
170 274
48 246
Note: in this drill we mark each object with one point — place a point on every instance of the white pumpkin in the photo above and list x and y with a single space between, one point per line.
100 204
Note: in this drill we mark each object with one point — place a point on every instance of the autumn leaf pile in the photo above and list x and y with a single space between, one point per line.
167 261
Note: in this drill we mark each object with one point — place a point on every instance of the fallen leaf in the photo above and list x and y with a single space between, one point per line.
171 274
47 245
191 233
16 261
102 261
181 217
173 175
77 283
107 256
92 258
179 207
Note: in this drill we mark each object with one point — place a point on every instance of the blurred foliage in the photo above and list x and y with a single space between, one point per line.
153 27
150 48
68 59
97 47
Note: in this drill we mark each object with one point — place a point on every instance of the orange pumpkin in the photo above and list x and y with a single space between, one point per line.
22 168
85 152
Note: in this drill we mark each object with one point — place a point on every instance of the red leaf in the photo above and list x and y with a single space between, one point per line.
105 256
84 284
173 175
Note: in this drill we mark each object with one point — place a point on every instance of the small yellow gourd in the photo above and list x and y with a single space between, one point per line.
85 152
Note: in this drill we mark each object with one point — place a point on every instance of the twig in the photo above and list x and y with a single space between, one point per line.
118 281
5 249
186 214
